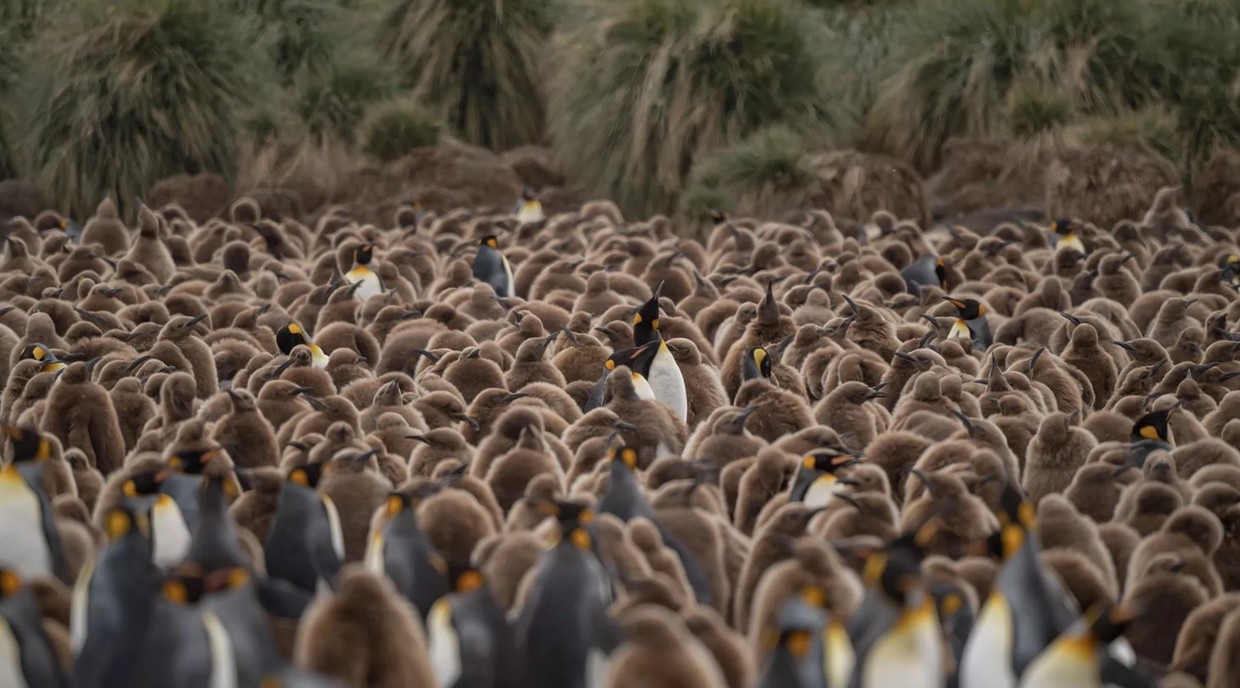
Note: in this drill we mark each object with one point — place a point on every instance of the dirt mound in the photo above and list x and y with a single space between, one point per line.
203 196
855 185
18 198
477 174
534 165
1105 186
1216 193
278 203
978 175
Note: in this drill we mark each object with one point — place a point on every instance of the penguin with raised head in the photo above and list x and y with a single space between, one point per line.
470 641
112 603
169 533
26 655
363 272
816 482
305 544
646 319
492 267
927 271
400 550
563 631
292 335
971 322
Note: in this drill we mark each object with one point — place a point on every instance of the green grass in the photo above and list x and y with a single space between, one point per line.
333 101
393 129
476 62
136 91
761 173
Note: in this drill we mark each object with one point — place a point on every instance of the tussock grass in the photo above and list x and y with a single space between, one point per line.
136 91
393 129
475 62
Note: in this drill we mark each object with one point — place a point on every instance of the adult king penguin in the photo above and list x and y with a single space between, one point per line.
971 323
292 335
492 267
29 541
361 272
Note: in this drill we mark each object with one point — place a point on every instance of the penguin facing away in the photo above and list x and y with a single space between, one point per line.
492 267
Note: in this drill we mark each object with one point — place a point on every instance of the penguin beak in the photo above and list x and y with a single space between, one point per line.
968 424
509 398
195 320
473 424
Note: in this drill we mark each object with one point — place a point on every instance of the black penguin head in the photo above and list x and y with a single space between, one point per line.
1108 621
40 352
646 319
895 570
637 358
290 336
756 364
1017 517
190 582
28 444
1062 226
145 483
122 521
573 519
464 578
626 456
528 194
309 475
969 309
940 271
827 460
192 462
490 241
1153 426
362 254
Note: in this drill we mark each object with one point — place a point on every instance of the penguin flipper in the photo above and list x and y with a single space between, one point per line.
597 396
283 599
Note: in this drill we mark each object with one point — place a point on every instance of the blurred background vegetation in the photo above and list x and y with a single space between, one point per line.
662 105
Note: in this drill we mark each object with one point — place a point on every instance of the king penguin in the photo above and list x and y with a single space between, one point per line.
530 208
29 542
112 603
803 657
646 319
1027 608
292 335
305 545
40 352
896 633
492 267
184 482
563 632
1149 433
626 500
815 482
470 641
169 532
371 284
971 323
400 550
1080 658
1063 234
26 656
928 270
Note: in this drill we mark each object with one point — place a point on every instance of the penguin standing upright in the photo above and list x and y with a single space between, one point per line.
371 284
971 323
400 550
492 267
662 371
29 541
563 631
470 641
26 656
169 533
646 319
927 271
292 335
1079 657
305 544
529 208
1063 235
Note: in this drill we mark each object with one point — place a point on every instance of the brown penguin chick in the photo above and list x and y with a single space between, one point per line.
1086 355
659 651
506 435
80 414
256 506
1200 635
1080 578
844 410
148 249
768 476
436 445
658 430
15 384
105 229
768 327
1114 281
652 556
472 373
531 364
389 398
1195 456
727 647
703 386
442 410
281 401
777 412
326 411
772 543
1172 319
1055 454
510 473
926 394
40 329
723 438
1146 505
32 404
966 522
1168 596
357 488
505 560
1193 534
133 409
298 368
87 479
364 635
871 514
581 359
455 522
705 535
182 331
246 433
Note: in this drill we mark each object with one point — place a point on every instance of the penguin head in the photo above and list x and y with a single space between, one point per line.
362 254
308 475
193 462
1016 517
291 335
827 460
122 521
1062 226
969 309
637 358
1153 426
646 319
28 444
490 241
756 364
10 583
796 623
190 582
895 570
1107 621
145 483
40 352
527 194
940 271
573 519
464 578
626 456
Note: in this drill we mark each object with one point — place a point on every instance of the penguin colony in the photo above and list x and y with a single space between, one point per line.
481 449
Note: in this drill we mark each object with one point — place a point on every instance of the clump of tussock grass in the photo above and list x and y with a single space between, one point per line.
395 128
297 34
475 62
654 84
764 172
333 101
136 91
